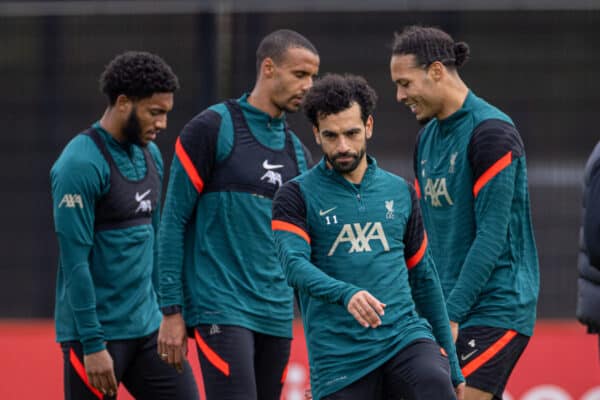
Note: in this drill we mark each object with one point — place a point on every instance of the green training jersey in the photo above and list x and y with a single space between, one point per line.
336 238
104 287
472 177
217 256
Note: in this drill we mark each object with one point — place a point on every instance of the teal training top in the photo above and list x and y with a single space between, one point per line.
472 177
335 238
104 287
217 257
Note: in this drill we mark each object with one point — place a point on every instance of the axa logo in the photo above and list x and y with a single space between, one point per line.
435 190
71 201
144 205
273 177
359 237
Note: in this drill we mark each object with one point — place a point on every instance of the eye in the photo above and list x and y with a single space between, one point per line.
299 74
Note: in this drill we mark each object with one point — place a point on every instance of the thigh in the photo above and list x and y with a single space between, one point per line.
226 355
420 371
76 383
271 355
148 377
488 355
367 387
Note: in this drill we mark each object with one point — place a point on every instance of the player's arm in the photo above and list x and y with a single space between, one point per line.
494 153
76 184
591 224
416 162
158 161
195 152
425 285
293 248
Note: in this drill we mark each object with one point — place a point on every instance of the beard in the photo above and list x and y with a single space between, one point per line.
347 167
132 129
423 121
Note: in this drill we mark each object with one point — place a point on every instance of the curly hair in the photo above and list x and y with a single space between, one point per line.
334 93
137 74
429 44
275 44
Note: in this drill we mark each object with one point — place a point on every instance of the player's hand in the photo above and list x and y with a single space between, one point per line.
307 394
366 309
454 330
460 391
100 372
172 341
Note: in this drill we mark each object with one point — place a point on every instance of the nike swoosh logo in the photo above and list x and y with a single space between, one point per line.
266 165
464 357
321 212
141 197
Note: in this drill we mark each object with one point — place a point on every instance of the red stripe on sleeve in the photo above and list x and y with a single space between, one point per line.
278 225
492 172
488 354
418 256
80 370
211 356
188 166
417 189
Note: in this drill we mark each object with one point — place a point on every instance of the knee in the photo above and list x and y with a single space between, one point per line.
435 383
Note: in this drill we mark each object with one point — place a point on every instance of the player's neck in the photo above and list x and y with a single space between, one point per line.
456 92
110 124
260 99
356 176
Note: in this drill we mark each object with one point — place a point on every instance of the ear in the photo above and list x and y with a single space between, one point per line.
436 71
369 126
267 67
123 104
317 136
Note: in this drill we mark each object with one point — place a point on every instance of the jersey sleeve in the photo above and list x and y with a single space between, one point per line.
158 161
292 241
415 237
194 160
591 223
425 285
494 153
76 183
417 186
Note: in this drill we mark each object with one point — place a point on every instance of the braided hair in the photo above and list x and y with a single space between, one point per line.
430 44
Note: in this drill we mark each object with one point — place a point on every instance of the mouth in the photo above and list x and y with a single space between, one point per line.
344 159
412 107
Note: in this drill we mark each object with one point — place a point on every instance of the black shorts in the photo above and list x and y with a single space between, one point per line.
240 364
488 355
137 365
420 371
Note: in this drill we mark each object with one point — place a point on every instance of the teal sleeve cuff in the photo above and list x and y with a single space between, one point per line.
91 346
352 290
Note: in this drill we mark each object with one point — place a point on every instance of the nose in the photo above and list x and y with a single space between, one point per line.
161 122
307 83
400 94
342 145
